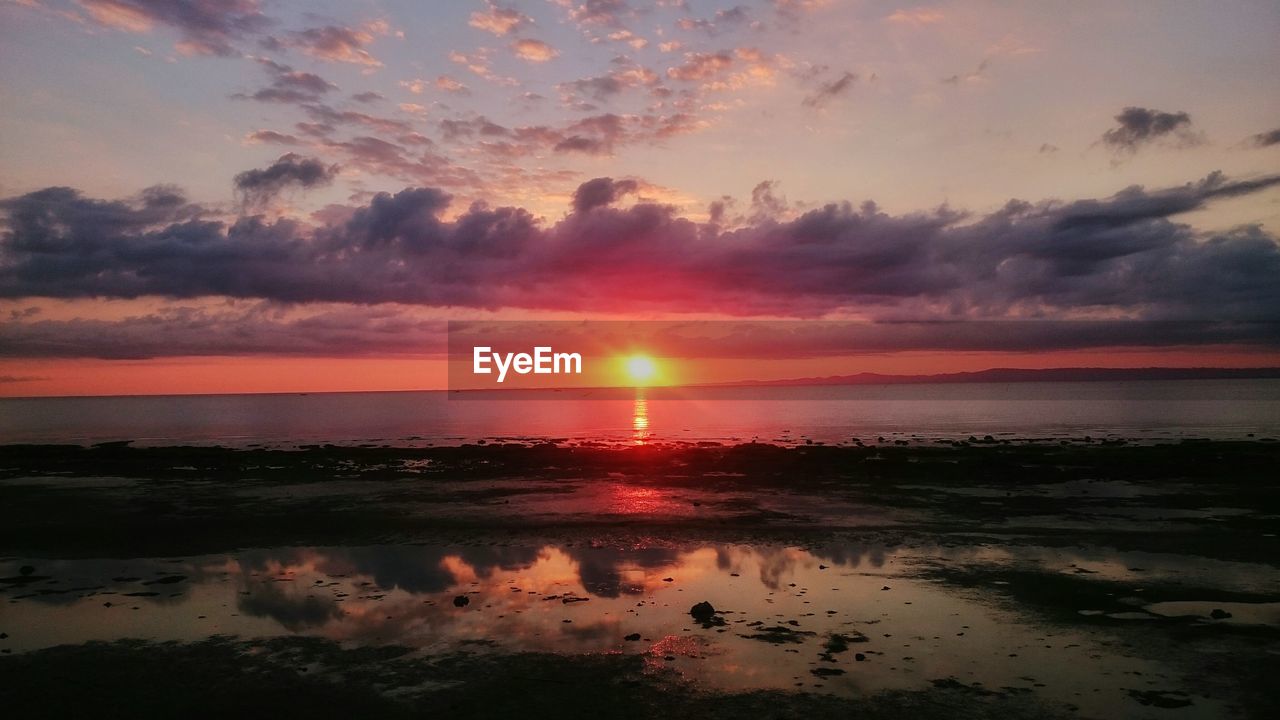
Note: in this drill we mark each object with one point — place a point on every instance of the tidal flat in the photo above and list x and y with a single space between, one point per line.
1020 578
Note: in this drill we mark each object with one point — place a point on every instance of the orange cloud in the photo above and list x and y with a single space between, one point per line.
534 50
917 16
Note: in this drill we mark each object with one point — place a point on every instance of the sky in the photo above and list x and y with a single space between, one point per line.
258 196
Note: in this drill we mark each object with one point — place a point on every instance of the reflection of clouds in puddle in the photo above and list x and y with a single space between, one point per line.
916 632
1112 565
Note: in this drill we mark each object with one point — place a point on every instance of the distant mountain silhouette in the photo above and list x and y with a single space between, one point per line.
1015 375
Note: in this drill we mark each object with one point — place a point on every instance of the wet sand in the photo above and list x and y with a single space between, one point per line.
1063 578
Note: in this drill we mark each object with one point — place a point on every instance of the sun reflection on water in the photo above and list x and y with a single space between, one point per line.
640 419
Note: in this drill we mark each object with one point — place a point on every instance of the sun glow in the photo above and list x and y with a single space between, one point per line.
640 369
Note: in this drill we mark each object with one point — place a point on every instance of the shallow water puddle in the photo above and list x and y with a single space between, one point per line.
846 620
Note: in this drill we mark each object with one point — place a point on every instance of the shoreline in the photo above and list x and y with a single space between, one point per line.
987 579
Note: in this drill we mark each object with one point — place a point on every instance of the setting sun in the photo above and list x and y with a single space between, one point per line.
640 369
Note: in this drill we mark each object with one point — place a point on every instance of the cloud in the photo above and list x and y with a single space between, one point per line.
609 13
793 10
499 20
593 135
257 188
236 328
288 85
207 27
701 66
451 84
534 50
828 91
271 137
1265 139
600 192
1142 126
916 16
1121 256
602 87
724 19
336 43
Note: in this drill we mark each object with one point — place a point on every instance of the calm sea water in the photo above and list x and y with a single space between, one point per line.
1153 409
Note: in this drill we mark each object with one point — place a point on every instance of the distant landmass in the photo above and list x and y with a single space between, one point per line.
1015 375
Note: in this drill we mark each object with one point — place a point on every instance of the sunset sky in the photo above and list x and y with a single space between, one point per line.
239 195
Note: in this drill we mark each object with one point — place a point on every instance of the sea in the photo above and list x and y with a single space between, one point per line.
1133 410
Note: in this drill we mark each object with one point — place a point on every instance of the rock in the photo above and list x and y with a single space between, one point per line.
633 637
859 657
26 570
1167 699
826 671
886 587
461 601
703 612
1219 614
166 580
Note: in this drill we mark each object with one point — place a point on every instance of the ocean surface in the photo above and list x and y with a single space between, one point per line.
1152 410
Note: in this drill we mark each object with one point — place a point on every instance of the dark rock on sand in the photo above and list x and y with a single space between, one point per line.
633 637
1161 699
461 601
779 635
859 657
703 612
1219 614
166 580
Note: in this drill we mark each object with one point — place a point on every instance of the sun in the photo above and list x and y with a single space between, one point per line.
640 368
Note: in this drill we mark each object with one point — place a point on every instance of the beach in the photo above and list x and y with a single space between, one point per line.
1022 577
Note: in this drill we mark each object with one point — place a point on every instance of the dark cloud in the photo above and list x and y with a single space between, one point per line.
724 19
1142 126
257 188
1122 254
367 97
237 329
830 90
766 205
335 43
624 76
272 137
288 85
1265 139
208 27
594 135
327 118
601 192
